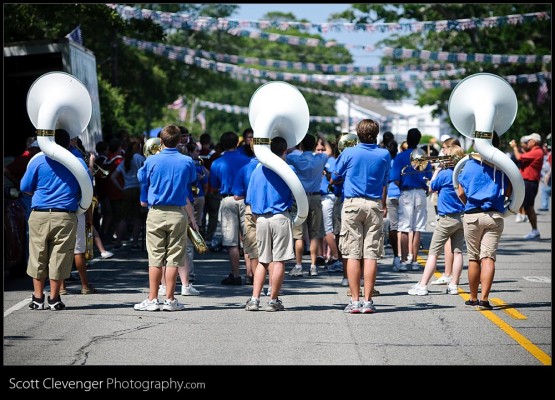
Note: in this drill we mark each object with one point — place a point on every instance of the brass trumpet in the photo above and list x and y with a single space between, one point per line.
96 168
419 161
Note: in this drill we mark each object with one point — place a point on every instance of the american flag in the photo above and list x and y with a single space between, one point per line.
542 92
202 119
75 35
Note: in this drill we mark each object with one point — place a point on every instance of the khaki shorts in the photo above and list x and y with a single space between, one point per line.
233 217
81 235
274 237
51 244
482 232
249 235
337 206
198 208
166 235
361 229
448 226
314 221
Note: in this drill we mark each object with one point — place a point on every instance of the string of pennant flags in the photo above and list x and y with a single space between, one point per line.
179 104
226 58
379 82
186 21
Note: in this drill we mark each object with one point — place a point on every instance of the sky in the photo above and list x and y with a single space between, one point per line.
319 13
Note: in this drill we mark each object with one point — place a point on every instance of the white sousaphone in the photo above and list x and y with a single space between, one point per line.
279 109
58 100
480 104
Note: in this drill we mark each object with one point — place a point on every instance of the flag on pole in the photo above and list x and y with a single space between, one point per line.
202 119
183 113
542 92
75 35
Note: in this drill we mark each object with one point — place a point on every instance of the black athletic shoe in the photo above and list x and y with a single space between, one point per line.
484 305
56 304
36 304
231 280
471 302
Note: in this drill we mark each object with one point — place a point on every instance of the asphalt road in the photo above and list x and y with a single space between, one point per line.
103 329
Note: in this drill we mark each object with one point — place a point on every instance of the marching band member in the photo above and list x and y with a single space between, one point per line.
52 224
482 189
169 213
365 171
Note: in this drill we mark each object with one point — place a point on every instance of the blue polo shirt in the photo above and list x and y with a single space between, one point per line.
267 192
328 169
309 167
224 170
166 178
365 170
52 184
241 183
393 190
483 187
410 180
448 201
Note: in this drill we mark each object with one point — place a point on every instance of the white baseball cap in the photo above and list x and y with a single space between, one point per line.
443 138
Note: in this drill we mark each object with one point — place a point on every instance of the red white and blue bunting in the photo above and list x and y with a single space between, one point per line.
185 21
401 82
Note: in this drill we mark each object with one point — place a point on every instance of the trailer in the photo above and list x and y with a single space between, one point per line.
24 62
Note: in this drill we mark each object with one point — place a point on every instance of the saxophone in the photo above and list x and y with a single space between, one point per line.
197 240
89 251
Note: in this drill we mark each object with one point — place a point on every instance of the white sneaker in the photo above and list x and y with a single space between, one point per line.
442 280
148 305
296 271
409 258
161 290
415 266
173 305
518 218
106 254
189 290
313 270
344 282
534 234
417 290
452 289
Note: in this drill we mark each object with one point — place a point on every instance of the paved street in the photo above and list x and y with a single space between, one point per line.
438 329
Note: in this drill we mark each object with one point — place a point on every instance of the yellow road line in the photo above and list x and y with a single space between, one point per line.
514 334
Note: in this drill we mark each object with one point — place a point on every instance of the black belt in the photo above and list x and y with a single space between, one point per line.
313 193
477 210
52 210
403 189
226 195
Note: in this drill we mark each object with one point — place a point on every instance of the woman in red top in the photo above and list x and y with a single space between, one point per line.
530 167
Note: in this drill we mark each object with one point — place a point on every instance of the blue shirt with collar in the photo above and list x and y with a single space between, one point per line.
365 170
483 186
166 178
410 180
224 170
52 184
328 169
267 192
241 183
448 201
309 167
393 190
